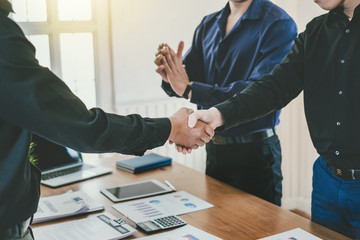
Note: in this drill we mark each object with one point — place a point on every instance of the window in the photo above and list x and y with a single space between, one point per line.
72 39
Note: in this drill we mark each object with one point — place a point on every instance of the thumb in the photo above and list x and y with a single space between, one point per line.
193 119
180 49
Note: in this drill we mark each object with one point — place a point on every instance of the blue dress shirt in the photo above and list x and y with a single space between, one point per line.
222 65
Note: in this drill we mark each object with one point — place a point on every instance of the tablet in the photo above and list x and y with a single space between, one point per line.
136 190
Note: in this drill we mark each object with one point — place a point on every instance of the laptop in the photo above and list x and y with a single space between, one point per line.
61 165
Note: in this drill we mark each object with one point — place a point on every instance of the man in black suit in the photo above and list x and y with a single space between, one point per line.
35 101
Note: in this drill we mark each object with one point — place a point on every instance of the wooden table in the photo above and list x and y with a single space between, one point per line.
236 215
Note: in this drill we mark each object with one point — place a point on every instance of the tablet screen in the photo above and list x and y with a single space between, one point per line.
137 190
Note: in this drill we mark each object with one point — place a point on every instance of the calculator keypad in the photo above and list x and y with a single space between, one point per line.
169 222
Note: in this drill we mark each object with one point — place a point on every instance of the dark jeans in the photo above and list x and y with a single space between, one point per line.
335 202
252 167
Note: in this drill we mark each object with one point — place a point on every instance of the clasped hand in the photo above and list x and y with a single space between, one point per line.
187 138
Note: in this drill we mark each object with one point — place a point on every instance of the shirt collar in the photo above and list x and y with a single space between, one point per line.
253 12
339 11
5 7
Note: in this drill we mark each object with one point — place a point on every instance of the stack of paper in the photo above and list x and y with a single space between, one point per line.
144 163
101 227
65 205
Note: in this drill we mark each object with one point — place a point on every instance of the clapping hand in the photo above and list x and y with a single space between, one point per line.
170 67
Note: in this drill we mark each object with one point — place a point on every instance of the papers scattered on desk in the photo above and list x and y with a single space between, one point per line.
65 205
184 233
295 234
101 227
176 203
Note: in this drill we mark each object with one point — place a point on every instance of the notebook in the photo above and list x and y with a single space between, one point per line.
144 163
60 165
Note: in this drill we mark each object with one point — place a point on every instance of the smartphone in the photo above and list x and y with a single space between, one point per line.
136 190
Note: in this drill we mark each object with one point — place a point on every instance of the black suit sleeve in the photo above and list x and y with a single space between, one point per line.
272 92
34 98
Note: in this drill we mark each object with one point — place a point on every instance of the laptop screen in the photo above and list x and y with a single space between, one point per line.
51 155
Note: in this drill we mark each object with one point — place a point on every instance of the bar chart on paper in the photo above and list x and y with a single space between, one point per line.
164 205
147 210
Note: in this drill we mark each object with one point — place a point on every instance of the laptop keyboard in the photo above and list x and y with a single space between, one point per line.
48 176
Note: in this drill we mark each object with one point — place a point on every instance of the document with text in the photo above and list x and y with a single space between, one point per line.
99 227
176 203
65 205
295 234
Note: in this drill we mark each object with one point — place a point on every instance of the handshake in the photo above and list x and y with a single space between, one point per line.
190 130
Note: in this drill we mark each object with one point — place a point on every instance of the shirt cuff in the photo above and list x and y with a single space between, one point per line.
227 113
163 127
200 92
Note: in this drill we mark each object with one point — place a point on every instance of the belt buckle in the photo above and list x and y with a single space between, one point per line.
349 174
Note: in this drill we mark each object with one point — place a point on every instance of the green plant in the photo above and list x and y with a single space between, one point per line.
32 156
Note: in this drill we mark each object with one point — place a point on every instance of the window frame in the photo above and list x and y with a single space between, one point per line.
99 26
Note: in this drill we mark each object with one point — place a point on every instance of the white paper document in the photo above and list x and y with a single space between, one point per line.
184 233
176 203
64 205
99 227
295 234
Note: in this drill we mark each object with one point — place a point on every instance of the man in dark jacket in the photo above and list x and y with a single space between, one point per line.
34 101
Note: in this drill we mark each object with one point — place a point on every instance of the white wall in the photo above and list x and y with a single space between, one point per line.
138 26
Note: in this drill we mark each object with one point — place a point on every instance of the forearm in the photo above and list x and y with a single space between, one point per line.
49 109
207 95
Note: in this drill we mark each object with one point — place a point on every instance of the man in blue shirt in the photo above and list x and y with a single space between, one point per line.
231 49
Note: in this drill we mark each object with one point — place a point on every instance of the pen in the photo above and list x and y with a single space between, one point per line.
170 185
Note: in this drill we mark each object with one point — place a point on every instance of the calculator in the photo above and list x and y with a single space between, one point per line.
162 223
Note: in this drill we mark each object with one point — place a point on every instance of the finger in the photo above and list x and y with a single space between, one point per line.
166 65
209 131
193 119
173 56
157 60
179 148
205 138
158 53
190 111
161 45
160 70
200 142
189 150
171 142
169 59
180 49
184 151
195 147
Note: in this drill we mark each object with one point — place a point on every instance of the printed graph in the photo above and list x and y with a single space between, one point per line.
146 210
